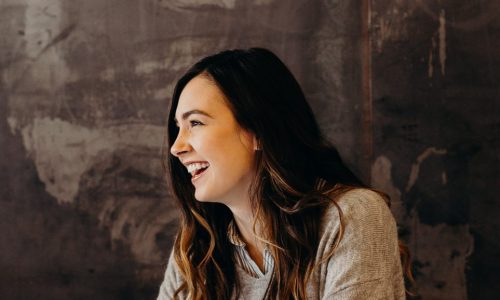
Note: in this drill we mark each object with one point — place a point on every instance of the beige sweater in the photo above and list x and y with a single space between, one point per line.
366 265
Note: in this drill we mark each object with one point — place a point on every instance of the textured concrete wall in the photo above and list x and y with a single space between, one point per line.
85 87
436 104
84 91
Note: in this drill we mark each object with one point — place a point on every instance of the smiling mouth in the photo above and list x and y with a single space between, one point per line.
198 173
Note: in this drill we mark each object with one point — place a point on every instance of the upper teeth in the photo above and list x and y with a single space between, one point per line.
196 166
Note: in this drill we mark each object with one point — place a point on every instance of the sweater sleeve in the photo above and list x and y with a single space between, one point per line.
171 281
366 263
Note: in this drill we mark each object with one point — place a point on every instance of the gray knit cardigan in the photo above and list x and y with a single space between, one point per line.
366 264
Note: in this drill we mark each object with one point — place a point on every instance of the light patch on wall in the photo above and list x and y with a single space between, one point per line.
164 93
381 178
193 4
13 125
136 221
183 52
442 41
42 28
384 32
441 37
62 152
441 250
148 67
43 21
430 70
107 74
415 168
442 254
263 2
391 28
393 24
444 178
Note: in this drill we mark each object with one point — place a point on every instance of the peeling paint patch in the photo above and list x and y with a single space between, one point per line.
13 125
43 22
148 67
441 37
439 252
191 4
108 74
442 259
430 70
416 166
384 29
393 24
391 29
63 151
381 178
442 41
164 93
263 2
137 222
43 30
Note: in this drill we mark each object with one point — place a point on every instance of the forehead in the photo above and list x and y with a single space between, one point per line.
203 94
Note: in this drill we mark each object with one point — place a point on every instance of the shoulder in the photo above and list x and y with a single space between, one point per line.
361 210
365 258
172 280
358 203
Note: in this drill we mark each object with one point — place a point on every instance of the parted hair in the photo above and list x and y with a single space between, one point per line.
298 175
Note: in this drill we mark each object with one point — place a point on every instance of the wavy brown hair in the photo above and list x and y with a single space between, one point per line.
299 174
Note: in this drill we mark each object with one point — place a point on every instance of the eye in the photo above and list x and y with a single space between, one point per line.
195 123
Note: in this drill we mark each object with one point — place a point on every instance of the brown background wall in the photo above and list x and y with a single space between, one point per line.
408 90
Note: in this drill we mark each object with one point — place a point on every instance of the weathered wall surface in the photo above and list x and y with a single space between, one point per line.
436 103
84 91
85 87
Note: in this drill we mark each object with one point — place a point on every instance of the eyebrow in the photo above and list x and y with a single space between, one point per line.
193 112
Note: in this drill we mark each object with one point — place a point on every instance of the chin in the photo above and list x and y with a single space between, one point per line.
201 197
204 197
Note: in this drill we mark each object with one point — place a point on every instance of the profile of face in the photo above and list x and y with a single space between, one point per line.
217 152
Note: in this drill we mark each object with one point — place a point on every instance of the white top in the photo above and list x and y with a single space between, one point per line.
243 258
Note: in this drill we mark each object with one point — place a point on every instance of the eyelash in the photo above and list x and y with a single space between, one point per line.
192 123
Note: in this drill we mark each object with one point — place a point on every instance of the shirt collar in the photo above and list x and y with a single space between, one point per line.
233 235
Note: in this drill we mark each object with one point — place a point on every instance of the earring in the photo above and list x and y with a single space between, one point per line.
257 144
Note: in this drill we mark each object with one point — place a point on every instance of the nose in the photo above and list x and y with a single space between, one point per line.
180 146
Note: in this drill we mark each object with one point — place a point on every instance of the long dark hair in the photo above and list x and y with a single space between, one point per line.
297 169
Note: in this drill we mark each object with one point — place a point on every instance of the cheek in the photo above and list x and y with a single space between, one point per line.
215 148
226 150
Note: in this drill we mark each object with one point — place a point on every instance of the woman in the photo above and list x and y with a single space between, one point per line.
268 209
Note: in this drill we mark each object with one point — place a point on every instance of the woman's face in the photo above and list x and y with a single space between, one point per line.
212 146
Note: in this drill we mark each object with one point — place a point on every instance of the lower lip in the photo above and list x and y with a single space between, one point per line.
196 177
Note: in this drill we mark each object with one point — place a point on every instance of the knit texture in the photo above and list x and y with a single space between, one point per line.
365 265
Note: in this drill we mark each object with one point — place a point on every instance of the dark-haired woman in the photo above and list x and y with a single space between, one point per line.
268 209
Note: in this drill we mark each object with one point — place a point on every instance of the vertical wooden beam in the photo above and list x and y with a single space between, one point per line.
366 91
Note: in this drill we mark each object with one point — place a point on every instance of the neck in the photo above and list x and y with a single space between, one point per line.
244 218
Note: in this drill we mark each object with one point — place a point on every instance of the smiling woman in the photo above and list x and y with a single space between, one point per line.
210 143
269 210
